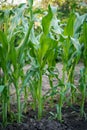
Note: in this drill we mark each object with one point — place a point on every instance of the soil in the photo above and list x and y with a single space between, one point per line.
71 121
71 115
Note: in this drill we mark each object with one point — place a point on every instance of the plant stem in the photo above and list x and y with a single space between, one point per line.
63 75
4 106
8 93
82 103
51 85
71 80
18 104
60 107
40 97
25 99
84 93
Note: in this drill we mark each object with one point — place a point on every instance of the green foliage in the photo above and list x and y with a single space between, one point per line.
19 40
82 87
1 88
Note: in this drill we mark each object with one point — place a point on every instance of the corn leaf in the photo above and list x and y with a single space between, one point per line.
3 40
46 21
69 29
78 22
85 43
30 2
1 88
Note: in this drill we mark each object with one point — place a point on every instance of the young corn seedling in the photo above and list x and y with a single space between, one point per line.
51 60
83 72
85 49
71 53
13 61
40 50
5 66
17 61
47 45
66 43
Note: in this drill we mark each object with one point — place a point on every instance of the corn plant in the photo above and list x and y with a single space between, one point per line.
82 87
83 72
71 53
66 44
13 61
19 40
40 50
5 65
85 48
17 62
56 30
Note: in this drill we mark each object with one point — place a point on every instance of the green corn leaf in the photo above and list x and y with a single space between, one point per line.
1 88
56 27
69 29
51 58
17 19
13 55
85 43
78 22
76 44
33 37
4 50
1 17
2 57
46 45
30 2
46 21
3 40
82 79
54 10
85 33
21 47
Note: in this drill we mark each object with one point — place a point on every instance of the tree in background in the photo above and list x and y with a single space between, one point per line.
67 5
